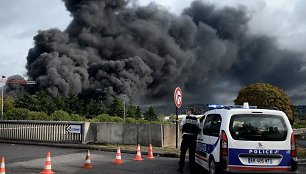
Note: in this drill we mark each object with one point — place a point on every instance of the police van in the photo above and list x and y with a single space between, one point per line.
243 139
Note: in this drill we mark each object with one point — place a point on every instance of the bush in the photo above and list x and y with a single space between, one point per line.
130 120
142 121
34 115
160 122
92 120
117 119
76 117
60 116
155 122
104 118
17 114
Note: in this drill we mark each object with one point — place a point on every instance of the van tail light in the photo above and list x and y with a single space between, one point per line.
293 146
224 144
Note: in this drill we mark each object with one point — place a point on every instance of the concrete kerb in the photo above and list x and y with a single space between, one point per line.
85 146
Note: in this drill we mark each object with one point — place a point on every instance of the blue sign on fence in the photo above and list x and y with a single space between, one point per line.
76 129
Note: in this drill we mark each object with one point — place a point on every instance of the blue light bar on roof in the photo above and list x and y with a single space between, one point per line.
229 107
215 106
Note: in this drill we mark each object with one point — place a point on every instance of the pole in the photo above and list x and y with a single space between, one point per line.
2 99
176 124
124 108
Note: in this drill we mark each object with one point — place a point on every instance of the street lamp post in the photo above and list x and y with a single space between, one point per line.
124 108
2 98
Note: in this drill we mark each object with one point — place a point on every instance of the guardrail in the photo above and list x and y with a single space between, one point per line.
42 131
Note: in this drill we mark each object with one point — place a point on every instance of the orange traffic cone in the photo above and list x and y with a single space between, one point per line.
118 157
138 155
87 164
47 169
2 168
150 153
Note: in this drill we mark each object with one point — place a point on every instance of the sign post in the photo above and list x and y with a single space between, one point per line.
178 103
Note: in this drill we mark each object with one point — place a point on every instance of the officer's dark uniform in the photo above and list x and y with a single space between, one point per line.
190 131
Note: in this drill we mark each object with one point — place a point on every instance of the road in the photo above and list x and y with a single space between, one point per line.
29 159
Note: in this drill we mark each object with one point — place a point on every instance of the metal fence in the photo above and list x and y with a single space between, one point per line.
40 131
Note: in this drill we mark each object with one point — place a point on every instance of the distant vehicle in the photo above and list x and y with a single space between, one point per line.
243 139
180 117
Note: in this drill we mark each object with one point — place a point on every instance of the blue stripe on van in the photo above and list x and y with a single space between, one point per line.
234 155
206 148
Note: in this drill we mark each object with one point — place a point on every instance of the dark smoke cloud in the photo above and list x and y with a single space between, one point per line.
14 89
113 49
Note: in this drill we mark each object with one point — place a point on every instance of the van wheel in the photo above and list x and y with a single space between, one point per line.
212 166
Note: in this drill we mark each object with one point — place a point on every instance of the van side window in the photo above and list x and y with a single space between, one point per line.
212 125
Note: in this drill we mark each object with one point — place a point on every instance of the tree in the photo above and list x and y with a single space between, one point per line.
8 103
94 107
76 105
131 111
264 95
150 114
42 101
59 103
116 108
138 113
28 101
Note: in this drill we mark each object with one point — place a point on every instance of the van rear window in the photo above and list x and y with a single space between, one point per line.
259 127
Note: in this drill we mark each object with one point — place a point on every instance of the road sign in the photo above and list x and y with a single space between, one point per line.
75 129
178 97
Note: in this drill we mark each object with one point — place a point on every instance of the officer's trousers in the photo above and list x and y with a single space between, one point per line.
188 142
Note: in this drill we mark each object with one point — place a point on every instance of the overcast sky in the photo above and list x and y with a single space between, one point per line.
19 22
21 19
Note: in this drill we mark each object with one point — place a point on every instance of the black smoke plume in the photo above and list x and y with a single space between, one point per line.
112 48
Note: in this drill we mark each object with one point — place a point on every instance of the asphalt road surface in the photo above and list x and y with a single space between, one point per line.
29 159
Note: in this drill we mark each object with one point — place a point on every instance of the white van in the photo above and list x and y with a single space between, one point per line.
246 140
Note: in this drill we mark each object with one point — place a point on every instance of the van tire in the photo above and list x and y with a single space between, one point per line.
212 166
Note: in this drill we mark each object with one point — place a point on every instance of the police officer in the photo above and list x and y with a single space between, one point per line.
190 127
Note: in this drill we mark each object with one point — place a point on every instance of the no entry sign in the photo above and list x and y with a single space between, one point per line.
178 97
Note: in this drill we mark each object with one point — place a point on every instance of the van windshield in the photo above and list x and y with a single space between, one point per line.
259 127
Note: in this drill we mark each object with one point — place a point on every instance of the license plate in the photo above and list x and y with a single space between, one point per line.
260 160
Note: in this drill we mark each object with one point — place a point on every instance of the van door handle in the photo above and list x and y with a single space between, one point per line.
200 139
